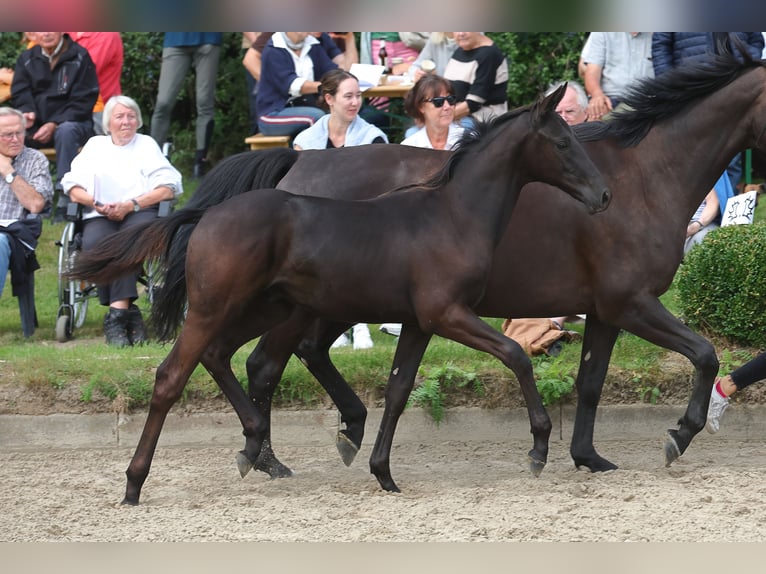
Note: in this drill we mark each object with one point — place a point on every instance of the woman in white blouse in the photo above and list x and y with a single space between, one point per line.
120 178
431 103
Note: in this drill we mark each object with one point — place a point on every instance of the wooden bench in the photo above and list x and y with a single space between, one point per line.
49 153
260 141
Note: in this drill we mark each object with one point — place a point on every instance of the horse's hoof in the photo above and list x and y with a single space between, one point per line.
347 449
126 502
672 452
536 466
243 464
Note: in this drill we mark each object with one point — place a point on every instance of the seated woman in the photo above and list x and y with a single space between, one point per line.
478 71
120 178
342 127
431 103
709 213
340 94
287 87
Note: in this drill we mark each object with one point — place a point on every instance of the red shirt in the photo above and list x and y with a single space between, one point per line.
105 49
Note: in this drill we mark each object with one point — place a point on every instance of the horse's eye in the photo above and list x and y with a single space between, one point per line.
562 144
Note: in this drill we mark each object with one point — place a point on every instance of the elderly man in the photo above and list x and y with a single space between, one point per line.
25 188
55 86
573 107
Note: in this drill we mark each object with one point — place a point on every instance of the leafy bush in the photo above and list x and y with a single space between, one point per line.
431 392
722 284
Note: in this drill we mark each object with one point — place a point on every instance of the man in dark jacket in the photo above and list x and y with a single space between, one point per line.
55 87
674 49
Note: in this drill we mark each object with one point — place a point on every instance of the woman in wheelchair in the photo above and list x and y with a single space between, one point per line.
119 179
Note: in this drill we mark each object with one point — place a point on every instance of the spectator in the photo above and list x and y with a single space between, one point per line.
287 87
478 71
248 39
673 49
105 49
708 215
613 60
404 46
25 187
55 86
120 179
438 50
751 372
342 127
573 107
180 51
431 103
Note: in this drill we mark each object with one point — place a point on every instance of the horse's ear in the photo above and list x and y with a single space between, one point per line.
547 104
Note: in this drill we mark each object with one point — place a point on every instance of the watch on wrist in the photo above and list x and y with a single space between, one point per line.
11 176
136 207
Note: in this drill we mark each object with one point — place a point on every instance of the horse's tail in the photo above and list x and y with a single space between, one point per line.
243 172
232 176
125 251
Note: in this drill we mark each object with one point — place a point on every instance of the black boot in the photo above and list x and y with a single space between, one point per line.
116 327
136 328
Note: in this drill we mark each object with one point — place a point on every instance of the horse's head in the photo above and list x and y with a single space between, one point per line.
558 159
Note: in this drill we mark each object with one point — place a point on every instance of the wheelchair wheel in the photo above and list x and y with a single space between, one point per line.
73 293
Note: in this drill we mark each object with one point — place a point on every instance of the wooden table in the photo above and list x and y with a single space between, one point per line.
387 91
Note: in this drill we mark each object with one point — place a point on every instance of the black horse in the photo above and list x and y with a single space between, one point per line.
274 258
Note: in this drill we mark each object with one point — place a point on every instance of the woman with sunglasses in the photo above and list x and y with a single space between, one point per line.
431 103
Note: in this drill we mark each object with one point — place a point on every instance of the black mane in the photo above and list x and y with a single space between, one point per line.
477 138
652 100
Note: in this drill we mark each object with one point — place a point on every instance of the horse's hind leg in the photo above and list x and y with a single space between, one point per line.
314 352
409 352
265 366
597 346
171 378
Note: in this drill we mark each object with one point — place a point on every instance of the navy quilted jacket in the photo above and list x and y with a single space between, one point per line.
671 49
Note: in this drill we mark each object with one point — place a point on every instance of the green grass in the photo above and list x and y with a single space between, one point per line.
127 375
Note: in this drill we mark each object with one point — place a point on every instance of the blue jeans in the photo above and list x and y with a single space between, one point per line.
289 121
5 259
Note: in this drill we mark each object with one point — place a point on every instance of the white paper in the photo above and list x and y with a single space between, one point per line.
740 209
367 74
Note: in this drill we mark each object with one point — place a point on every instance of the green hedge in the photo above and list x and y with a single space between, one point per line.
722 284
536 59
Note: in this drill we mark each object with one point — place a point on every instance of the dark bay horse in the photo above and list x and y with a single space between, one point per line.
420 256
660 159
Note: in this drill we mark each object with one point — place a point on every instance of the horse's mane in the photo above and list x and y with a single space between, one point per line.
475 138
652 100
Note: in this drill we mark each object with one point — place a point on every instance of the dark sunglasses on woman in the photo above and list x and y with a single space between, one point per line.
438 101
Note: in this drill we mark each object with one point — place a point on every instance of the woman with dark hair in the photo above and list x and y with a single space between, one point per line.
431 103
339 93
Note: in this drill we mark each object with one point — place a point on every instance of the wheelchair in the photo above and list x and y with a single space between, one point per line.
74 294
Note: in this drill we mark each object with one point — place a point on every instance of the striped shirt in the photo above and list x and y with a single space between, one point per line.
32 165
480 78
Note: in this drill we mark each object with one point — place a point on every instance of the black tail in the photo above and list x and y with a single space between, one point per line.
232 176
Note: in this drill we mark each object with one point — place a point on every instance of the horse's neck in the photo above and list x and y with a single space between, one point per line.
687 154
487 191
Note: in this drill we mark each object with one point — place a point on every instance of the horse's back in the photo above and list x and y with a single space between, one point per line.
361 172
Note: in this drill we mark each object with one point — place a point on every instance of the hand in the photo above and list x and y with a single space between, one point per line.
30 119
45 133
599 106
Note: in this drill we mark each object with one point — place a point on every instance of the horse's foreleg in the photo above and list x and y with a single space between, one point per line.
597 346
170 380
409 352
314 352
650 320
462 325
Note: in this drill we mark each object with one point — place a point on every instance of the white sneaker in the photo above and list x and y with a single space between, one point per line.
361 336
394 329
342 341
718 405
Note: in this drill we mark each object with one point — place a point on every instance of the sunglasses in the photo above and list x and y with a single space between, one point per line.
438 101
